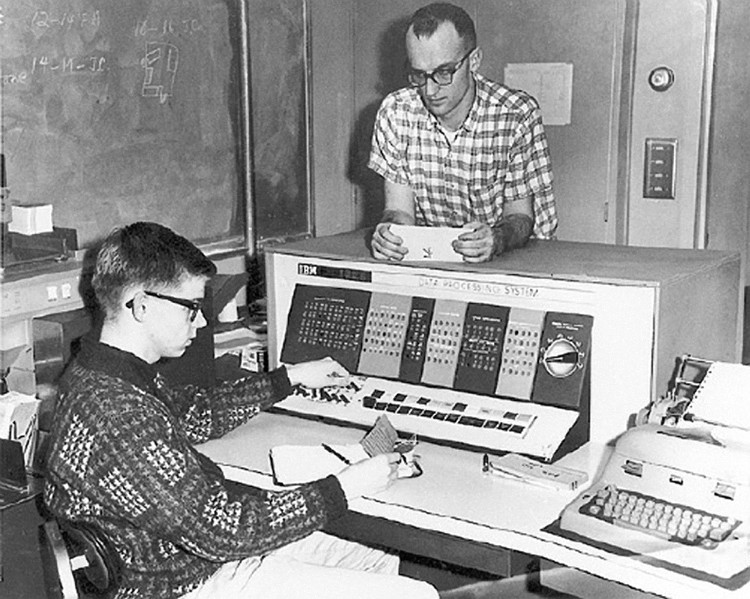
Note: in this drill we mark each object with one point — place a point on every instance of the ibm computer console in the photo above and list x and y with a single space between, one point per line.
535 352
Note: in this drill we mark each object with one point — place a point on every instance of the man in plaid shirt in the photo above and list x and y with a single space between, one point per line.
456 149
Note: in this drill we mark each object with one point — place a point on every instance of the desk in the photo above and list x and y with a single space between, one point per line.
454 502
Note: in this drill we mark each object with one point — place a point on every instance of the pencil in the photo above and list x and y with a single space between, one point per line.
330 449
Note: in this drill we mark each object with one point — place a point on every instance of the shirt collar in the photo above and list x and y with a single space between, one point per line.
480 98
118 363
472 118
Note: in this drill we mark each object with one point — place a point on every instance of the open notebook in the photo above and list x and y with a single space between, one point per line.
298 464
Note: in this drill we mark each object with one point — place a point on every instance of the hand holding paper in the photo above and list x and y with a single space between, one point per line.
298 464
429 243
369 476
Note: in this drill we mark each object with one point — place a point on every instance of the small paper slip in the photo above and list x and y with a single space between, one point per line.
429 243
381 438
523 469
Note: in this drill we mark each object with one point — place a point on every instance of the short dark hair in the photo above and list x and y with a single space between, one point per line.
145 254
427 19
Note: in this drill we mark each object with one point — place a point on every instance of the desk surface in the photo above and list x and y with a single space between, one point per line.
455 498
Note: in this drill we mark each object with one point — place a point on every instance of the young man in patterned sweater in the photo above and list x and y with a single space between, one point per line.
122 455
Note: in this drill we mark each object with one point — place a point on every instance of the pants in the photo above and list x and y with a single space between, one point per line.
317 567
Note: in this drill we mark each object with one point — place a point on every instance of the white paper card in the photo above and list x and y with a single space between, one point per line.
429 243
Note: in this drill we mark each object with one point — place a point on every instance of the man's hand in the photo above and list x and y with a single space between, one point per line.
478 245
318 373
369 476
387 245
483 242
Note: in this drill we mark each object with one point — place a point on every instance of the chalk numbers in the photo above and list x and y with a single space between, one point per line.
66 20
164 27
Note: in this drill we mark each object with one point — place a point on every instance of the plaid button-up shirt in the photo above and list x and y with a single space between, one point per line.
499 155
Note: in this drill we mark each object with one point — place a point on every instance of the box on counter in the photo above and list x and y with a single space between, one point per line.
254 357
31 219
249 345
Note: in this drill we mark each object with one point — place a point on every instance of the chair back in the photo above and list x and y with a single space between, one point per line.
82 561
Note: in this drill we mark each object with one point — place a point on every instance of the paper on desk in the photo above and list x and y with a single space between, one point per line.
298 464
429 243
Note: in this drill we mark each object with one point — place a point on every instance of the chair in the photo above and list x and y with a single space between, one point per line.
81 561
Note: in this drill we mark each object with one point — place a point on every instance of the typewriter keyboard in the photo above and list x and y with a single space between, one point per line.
650 515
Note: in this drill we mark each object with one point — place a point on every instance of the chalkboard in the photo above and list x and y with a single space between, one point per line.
278 67
118 110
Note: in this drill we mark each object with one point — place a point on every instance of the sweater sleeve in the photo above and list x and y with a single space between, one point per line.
133 463
211 413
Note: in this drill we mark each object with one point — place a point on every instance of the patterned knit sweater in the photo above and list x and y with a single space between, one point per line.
122 458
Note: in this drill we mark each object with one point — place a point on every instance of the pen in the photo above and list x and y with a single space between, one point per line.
330 449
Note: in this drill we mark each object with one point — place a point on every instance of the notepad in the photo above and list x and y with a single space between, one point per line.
299 464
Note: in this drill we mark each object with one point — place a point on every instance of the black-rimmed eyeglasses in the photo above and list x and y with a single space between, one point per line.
194 306
442 76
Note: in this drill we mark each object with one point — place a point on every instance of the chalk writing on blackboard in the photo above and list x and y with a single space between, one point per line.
115 111
153 28
68 64
65 20
160 65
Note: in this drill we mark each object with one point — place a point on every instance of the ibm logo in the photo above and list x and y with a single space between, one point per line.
307 269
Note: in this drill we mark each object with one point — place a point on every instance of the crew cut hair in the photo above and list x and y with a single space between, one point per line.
144 254
427 19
